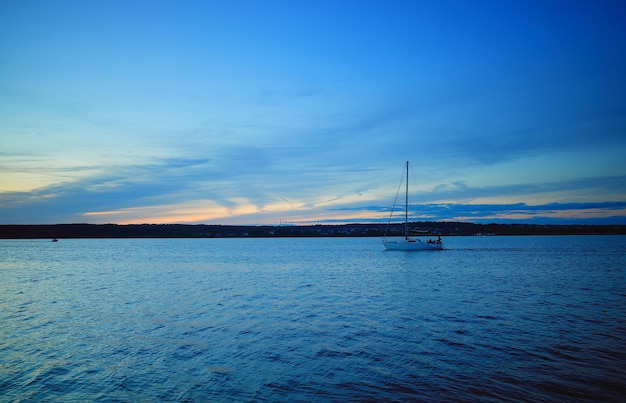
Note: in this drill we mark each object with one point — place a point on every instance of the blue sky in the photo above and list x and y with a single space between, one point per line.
267 112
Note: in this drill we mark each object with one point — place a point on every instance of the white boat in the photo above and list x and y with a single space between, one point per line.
408 242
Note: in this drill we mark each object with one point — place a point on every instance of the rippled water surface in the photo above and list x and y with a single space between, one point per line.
323 319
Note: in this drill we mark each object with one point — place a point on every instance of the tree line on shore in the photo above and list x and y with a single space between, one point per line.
319 230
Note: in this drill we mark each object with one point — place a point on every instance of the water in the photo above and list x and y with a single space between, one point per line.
323 319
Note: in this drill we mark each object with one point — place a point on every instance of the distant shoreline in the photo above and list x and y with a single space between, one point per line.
44 231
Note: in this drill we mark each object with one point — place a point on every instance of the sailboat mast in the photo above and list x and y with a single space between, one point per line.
406 204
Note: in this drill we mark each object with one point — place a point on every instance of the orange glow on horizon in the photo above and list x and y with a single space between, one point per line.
242 213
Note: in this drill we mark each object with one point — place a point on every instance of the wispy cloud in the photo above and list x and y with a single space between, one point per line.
612 187
554 213
198 190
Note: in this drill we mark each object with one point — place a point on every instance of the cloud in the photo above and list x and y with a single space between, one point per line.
117 187
555 213
610 186
262 184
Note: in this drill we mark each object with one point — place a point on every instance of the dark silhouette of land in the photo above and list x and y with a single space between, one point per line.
328 230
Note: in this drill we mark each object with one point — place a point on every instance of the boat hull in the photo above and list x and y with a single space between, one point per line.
412 245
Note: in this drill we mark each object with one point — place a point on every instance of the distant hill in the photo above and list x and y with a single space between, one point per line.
344 230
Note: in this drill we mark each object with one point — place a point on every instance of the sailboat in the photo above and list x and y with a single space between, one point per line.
409 243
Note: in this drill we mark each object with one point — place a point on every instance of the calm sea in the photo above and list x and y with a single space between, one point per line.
313 319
